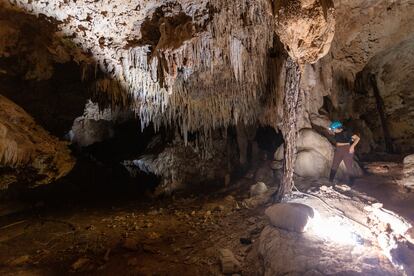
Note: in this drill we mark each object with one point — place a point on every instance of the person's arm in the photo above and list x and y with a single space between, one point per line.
342 144
355 141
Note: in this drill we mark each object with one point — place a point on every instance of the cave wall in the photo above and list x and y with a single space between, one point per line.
365 31
391 71
29 155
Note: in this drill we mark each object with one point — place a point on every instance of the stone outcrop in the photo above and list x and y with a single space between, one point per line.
96 125
368 37
408 172
179 166
387 81
28 154
335 236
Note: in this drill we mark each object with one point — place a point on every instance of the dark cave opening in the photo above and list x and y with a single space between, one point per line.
54 103
269 140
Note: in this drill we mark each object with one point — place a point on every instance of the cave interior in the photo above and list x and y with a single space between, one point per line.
192 137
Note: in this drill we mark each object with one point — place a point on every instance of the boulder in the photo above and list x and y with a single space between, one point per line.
310 163
310 139
290 216
28 153
258 189
408 172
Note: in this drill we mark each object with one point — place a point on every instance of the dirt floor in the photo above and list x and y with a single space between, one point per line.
171 236
175 236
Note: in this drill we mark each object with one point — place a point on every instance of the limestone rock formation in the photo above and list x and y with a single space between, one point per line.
96 125
387 81
338 235
28 154
179 165
306 28
369 37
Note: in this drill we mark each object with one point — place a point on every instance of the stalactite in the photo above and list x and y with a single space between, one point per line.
191 86
291 109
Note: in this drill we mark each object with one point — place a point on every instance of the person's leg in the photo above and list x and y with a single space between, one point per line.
338 156
349 160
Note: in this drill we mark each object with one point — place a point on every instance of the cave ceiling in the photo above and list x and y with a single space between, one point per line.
208 64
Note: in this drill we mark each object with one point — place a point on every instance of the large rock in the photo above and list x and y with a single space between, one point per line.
290 216
310 163
408 171
258 189
315 155
28 154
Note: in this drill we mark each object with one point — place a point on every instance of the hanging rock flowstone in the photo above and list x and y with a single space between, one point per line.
28 153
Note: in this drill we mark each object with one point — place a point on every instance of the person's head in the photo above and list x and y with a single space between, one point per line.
336 127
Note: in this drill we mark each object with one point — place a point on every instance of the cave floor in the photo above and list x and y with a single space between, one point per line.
177 236
174 236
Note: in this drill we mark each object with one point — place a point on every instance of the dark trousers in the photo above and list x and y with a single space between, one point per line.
342 154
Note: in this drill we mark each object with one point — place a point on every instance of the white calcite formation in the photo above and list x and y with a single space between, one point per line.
201 64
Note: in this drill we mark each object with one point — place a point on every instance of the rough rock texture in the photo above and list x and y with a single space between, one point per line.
28 154
365 32
408 172
161 55
96 125
229 264
292 253
332 244
179 165
258 189
306 28
391 73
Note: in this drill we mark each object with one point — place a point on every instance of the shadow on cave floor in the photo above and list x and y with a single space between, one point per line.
179 235
166 236
388 192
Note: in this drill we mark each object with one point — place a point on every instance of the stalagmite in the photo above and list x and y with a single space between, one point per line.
291 109
306 29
